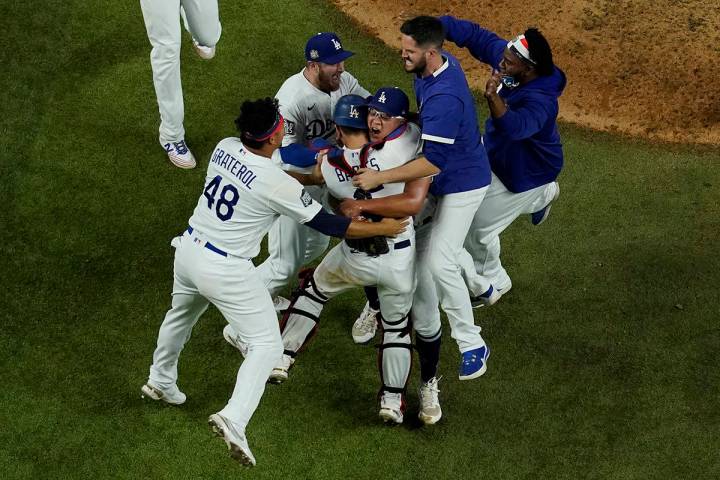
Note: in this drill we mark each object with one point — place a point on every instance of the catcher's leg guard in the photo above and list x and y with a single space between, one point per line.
428 349
299 322
395 356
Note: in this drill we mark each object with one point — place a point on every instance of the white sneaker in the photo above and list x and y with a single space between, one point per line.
391 408
280 373
206 53
235 440
280 304
179 154
364 328
232 338
171 395
430 412
490 297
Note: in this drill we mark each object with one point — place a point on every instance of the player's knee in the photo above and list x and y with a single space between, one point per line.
167 51
442 266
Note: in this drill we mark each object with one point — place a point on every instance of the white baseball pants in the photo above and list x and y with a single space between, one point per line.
162 21
439 272
202 276
500 207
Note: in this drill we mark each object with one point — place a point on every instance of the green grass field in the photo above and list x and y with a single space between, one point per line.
605 353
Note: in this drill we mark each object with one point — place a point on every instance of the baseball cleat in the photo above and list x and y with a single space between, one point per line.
364 328
179 154
474 363
206 53
490 297
171 395
280 373
281 304
430 412
391 408
541 215
232 338
235 440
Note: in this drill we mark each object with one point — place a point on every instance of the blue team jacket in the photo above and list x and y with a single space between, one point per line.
524 144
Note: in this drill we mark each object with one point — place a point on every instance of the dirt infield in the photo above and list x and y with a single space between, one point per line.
638 67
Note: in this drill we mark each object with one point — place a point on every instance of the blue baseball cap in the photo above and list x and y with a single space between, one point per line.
326 48
390 100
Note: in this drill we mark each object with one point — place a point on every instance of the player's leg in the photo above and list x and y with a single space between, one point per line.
396 282
247 306
300 321
187 306
162 22
450 226
428 332
203 22
500 208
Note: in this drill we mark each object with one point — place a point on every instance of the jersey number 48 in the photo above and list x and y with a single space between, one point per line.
225 205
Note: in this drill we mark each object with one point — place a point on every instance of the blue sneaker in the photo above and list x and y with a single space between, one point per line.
541 215
474 363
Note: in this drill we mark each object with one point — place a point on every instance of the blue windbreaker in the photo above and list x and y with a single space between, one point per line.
524 144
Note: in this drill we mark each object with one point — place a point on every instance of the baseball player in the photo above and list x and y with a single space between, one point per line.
162 21
245 191
348 265
453 152
522 142
307 100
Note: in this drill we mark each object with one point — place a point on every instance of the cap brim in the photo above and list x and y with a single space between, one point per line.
337 58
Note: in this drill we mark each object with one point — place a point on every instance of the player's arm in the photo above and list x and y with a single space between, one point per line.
368 178
289 198
405 204
343 227
483 44
520 122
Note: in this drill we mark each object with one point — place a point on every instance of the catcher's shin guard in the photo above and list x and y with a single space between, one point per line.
300 320
428 349
395 355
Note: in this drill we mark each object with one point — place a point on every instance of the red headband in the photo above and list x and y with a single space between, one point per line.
279 122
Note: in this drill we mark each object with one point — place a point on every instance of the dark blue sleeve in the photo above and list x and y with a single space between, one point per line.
298 155
483 44
441 117
329 224
524 121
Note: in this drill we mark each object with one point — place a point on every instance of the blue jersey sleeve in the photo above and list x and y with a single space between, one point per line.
483 44
329 224
298 155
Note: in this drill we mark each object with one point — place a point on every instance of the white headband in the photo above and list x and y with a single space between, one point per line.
519 46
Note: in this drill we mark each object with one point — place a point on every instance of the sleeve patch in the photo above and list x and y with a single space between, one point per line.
289 127
305 198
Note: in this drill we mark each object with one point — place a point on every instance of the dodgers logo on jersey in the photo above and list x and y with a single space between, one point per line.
305 198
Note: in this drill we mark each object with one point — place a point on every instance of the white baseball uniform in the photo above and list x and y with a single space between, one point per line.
308 115
162 21
344 268
243 195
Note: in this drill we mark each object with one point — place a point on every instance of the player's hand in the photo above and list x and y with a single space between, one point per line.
367 179
492 84
350 208
393 226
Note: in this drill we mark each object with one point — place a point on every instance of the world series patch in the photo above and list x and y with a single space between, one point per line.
305 198
289 127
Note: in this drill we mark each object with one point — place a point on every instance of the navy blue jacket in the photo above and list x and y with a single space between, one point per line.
524 144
